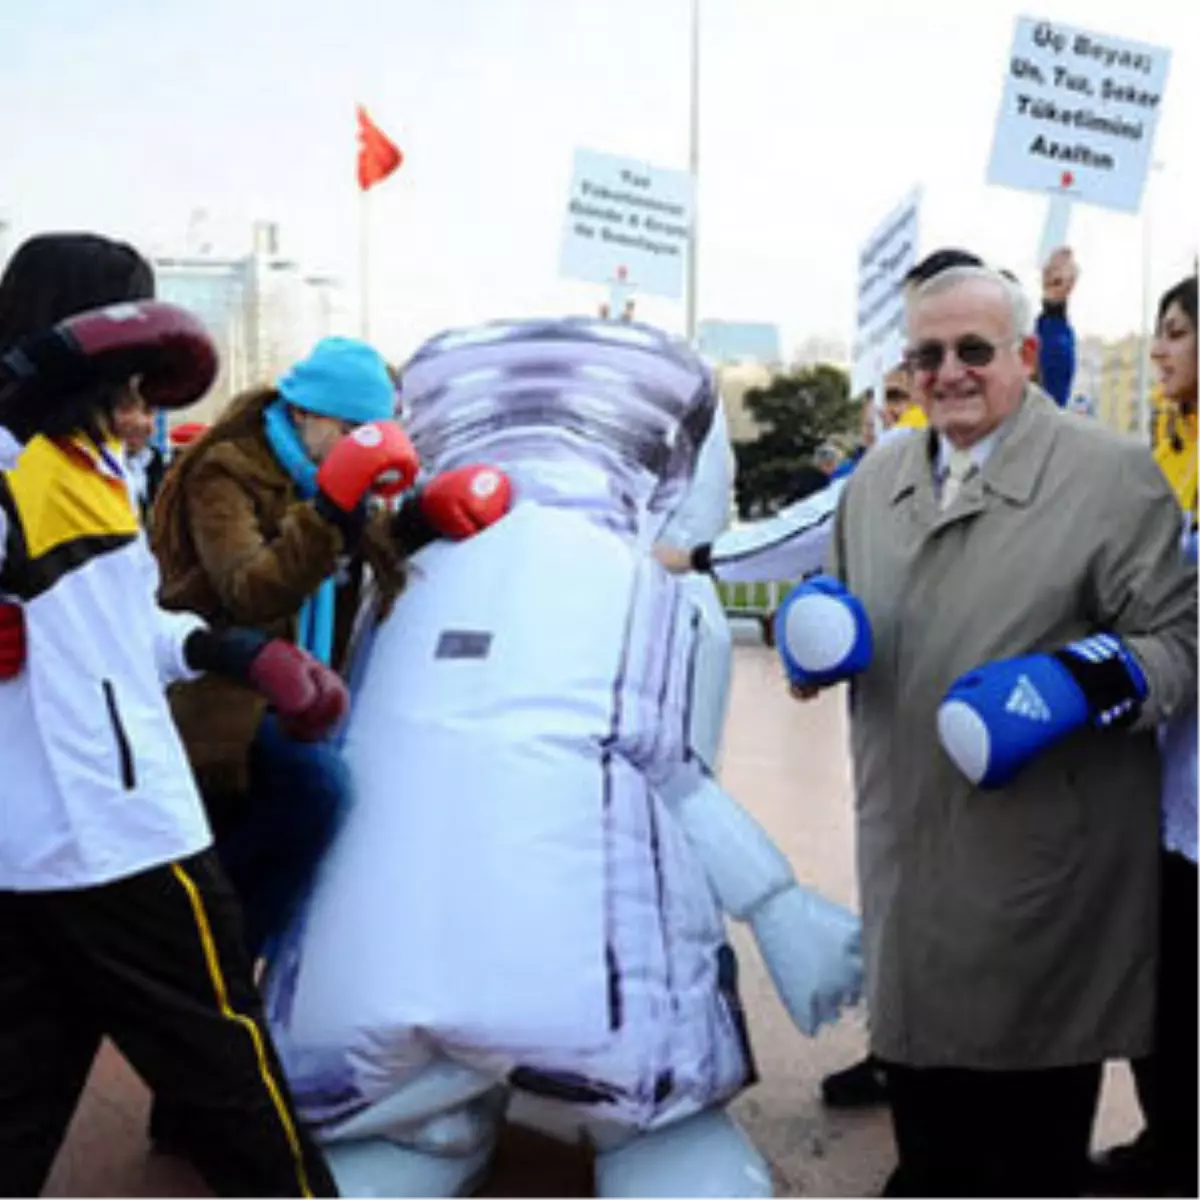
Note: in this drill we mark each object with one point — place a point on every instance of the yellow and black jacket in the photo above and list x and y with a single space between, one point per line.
95 785
1175 453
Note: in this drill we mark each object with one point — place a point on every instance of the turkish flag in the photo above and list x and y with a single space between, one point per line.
378 155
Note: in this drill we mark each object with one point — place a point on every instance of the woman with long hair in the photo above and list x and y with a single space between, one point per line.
1162 1159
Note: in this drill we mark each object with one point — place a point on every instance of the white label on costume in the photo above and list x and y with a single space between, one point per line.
463 643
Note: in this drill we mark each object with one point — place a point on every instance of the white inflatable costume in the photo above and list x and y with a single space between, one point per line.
522 916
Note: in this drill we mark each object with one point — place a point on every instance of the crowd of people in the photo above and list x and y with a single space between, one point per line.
172 638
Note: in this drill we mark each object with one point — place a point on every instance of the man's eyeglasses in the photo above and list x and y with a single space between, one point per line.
971 351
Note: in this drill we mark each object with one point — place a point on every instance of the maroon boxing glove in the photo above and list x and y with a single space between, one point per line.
460 503
12 641
166 346
308 697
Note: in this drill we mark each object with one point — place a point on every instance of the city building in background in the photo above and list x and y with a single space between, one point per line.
739 341
1106 373
263 309
734 380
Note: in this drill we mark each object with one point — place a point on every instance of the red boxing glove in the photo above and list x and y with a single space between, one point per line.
309 697
12 641
377 457
459 503
167 346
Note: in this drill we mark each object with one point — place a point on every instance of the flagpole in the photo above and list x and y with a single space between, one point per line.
364 263
694 167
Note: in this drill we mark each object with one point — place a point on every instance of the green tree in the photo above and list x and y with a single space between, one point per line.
795 413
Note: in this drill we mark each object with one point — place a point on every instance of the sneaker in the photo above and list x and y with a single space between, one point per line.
1133 1169
859 1086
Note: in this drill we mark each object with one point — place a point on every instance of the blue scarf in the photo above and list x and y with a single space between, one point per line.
317 614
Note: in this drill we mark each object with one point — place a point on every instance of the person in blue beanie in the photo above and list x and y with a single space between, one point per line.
267 522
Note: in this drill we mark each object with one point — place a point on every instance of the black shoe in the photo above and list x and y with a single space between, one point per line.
859 1086
1134 1169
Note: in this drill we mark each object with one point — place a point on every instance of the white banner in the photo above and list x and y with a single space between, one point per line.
886 258
1078 115
627 223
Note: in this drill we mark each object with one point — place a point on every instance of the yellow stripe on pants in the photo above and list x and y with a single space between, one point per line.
222 995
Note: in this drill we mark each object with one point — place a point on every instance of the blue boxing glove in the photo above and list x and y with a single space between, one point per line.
822 632
998 717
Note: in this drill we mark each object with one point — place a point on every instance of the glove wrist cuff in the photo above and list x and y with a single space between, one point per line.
1110 678
349 524
411 528
229 652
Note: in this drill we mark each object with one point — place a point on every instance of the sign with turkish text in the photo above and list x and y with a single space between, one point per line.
1078 115
885 259
628 224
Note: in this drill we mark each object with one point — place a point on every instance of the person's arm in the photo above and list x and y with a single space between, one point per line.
258 579
1056 352
1056 338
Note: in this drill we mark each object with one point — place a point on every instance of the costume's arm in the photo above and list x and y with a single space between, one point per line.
790 545
703 512
810 945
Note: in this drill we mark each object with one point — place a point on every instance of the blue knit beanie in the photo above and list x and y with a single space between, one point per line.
342 378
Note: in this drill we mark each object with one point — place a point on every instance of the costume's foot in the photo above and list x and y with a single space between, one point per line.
704 1155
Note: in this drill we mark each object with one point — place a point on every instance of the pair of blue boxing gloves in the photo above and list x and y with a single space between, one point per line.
996 718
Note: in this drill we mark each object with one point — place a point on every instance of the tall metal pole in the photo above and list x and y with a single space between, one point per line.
1143 415
694 168
364 265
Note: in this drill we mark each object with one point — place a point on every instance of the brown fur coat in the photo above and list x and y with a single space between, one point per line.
237 545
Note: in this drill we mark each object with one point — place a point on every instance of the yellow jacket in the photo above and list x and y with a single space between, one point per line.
913 418
1175 453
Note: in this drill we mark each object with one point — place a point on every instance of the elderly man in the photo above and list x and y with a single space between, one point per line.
1008 874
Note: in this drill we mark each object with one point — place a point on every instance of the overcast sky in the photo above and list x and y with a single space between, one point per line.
124 115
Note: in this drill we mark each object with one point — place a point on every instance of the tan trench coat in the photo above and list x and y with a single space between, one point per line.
1012 929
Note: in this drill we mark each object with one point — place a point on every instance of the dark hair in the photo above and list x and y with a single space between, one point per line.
58 275
1183 294
939 261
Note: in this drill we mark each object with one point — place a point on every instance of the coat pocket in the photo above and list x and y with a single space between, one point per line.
124 750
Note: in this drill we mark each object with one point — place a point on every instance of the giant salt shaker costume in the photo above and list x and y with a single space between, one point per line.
523 913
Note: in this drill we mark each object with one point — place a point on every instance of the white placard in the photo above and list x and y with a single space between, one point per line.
1078 114
627 223
886 257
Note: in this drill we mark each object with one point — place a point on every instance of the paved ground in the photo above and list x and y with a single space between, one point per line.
784 761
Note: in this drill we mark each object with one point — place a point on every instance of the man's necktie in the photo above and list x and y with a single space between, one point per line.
959 468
